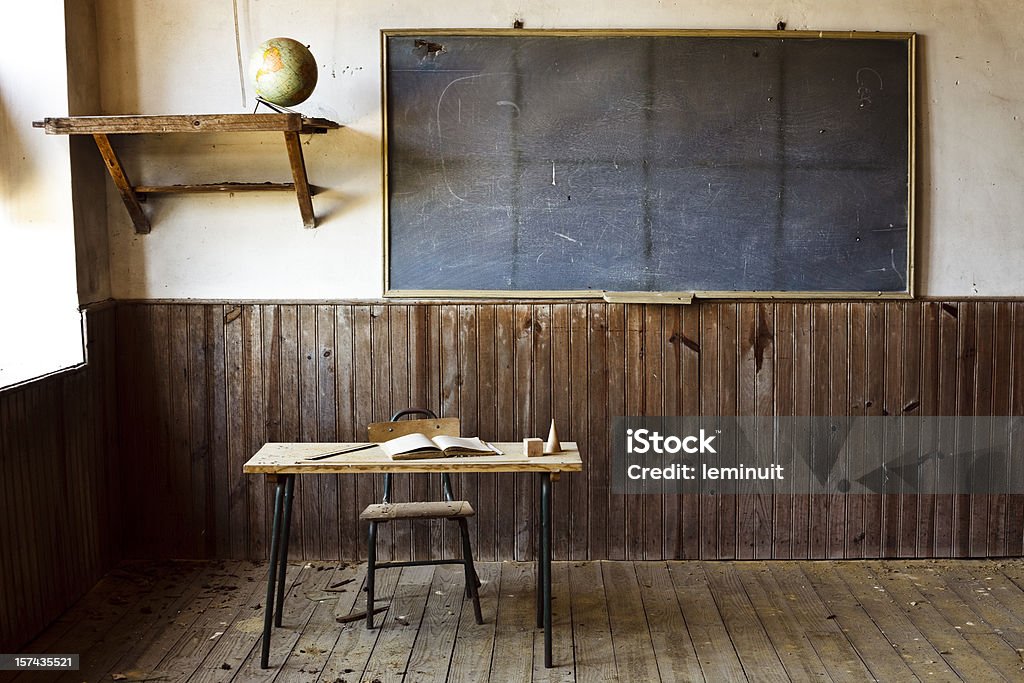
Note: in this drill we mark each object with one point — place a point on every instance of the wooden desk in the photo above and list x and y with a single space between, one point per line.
282 461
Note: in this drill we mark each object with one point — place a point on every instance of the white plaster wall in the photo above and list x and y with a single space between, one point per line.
88 172
159 57
40 327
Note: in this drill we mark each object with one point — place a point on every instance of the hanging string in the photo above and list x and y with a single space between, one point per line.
238 52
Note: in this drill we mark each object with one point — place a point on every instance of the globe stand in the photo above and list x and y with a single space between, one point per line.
270 105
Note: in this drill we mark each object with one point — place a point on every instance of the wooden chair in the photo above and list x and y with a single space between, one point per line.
457 511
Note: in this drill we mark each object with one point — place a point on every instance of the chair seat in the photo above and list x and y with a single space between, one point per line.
386 512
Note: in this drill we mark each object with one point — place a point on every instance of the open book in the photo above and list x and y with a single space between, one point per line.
413 446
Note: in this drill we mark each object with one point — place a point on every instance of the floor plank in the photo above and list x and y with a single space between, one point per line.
631 638
945 622
93 615
913 646
474 647
718 661
591 627
355 642
149 647
561 632
748 635
863 634
399 627
308 592
839 621
514 624
221 601
432 652
169 588
992 596
788 634
809 614
212 589
673 649
320 637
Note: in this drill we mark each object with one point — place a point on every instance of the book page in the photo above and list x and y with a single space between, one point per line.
460 445
410 443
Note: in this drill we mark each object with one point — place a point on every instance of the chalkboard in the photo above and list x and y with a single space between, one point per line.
570 163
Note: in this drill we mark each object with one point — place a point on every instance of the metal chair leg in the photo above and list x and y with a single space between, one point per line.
371 569
471 578
476 581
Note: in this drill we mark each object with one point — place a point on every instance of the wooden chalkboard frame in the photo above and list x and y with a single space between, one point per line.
909 38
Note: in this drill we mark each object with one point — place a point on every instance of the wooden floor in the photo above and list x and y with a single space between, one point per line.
628 621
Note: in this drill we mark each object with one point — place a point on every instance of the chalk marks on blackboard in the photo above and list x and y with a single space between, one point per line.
455 88
714 198
898 271
864 92
506 103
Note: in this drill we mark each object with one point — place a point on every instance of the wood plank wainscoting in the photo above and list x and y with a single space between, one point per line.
201 386
59 488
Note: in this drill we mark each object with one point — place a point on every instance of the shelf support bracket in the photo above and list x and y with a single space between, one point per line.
298 165
124 186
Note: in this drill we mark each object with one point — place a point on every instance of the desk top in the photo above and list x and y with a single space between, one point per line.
290 458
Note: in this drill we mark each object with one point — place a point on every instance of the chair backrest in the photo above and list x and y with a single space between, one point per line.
431 426
440 426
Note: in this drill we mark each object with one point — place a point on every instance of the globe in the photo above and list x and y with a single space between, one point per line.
284 71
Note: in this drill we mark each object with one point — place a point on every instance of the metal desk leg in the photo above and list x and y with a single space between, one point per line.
268 609
540 570
545 578
289 492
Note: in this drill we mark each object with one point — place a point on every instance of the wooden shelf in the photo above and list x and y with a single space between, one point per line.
100 127
213 188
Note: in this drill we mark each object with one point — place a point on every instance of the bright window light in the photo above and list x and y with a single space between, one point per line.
40 325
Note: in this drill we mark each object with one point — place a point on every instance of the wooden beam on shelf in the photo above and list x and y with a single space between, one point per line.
124 186
213 188
183 123
316 125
